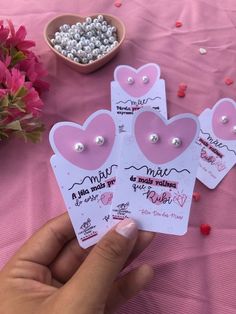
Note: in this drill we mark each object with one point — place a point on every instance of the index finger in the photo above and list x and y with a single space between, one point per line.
47 242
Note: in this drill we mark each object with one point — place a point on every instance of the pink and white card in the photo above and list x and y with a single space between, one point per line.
85 164
218 142
133 89
157 172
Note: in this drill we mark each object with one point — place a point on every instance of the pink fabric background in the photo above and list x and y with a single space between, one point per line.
194 274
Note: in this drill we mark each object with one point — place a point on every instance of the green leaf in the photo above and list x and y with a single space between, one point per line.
4 102
22 91
17 57
14 125
18 105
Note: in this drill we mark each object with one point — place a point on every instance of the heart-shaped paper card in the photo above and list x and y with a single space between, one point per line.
218 142
85 168
133 89
157 172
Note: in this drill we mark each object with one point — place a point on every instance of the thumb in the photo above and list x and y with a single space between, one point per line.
96 275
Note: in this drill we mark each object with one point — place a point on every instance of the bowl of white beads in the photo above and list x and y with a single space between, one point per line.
85 43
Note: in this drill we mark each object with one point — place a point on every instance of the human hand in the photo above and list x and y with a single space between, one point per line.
52 274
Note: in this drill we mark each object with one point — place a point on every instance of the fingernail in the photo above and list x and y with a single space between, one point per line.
127 228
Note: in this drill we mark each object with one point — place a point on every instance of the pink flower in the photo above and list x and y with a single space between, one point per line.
4 32
34 71
17 38
33 102
15 81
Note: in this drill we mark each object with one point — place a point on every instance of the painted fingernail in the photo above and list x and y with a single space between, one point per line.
127 228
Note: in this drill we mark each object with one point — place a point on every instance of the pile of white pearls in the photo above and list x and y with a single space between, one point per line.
85 42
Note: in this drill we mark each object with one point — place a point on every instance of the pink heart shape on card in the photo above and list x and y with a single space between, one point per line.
138 88
224 131
106 198
148 122
65 135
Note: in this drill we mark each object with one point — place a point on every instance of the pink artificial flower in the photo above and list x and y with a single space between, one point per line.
4 32
34 71
33 102
17 38
15 81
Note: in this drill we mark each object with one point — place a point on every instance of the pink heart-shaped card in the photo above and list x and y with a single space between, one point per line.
224 108
137 82
184 127
65 137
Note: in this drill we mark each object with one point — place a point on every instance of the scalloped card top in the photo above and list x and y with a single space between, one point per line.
218 142
133 89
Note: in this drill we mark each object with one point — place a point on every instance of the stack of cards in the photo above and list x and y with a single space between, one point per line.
133 162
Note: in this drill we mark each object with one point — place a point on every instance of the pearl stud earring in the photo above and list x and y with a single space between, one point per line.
234 128
79 147
154 138
224 119
99 140
176 141
145 79
130 80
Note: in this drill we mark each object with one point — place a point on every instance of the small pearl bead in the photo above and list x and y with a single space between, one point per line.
88 20
234 128
100 18
64 42
154 138
78 46
64 52
89 56
130 80
79 147
104 28
58 39
74 51
176 142
224 119
58 48
77 37
106 41
92 46
98 26
109 33
53 41
65 27
145 79
84 60
87 49
80 53
99 140
112 39
70 56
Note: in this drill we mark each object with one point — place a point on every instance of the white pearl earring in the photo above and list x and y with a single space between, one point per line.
79 147
99 140
176 141
145 79
154 138
234 128
130 80
224 119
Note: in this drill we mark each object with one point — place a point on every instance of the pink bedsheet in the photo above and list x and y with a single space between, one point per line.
193 274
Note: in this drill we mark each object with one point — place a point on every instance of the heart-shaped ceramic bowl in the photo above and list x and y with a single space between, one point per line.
54 24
